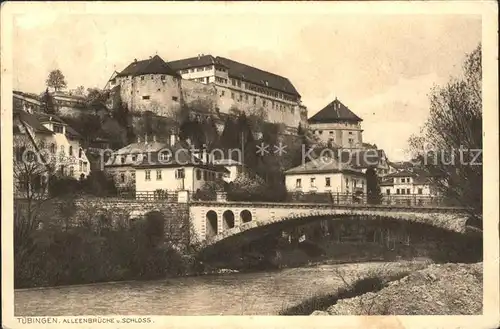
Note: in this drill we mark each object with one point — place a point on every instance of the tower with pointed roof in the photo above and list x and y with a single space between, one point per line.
337 126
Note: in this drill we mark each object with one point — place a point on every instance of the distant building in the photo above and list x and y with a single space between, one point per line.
120 164
338 126
67 104
325 175
53 138
27 102
234 168
175 168
407 182
362 159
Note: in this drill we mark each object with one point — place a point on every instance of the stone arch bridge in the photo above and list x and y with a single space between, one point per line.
215 222
211 222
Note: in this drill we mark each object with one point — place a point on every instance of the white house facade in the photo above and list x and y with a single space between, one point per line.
325 176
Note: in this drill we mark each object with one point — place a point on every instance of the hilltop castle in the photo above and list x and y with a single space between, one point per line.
222 84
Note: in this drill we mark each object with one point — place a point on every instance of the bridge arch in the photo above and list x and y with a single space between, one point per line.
211 228
245 216
228 219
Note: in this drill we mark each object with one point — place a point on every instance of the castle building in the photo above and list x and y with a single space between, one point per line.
246 88
338 126
148 85
223 84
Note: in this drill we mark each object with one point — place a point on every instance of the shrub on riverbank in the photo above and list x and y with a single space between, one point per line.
96 250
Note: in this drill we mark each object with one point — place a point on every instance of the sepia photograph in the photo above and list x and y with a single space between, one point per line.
242 159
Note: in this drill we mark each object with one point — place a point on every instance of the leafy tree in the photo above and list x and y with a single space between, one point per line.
451 140
48 103
80 91
373 193
56 80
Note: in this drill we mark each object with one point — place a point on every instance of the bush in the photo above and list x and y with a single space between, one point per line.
208 191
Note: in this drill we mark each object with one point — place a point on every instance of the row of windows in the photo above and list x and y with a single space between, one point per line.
331 132
53 149
403 191
82 167
143 77
312 182
402 180
240 97
179 174
220 80
203 68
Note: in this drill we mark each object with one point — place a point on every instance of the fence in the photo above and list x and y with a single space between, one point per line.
410 200
149 195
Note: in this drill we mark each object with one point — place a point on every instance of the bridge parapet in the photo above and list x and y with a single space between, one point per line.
449 218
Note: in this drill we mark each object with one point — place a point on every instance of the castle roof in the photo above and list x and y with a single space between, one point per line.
239 71
334 112
153 65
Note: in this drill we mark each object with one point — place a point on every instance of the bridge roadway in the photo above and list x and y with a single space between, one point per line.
214 222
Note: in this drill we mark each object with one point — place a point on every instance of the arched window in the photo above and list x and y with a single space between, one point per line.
71 150
80 153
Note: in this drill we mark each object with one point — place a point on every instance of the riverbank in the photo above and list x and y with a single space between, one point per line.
444 289
441 289
356 279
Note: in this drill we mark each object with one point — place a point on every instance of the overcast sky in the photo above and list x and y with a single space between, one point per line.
381 67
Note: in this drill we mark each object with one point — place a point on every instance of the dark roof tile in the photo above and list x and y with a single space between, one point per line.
334 112
240 71
154 65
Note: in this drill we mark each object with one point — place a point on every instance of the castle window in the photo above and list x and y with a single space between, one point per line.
152 77
142 77
254 100
158 175
122 178
263 102
145 97
232 95
148 175
52 148
174 98
163 77
246 98
222 93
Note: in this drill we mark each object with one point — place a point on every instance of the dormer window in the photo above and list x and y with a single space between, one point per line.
58 129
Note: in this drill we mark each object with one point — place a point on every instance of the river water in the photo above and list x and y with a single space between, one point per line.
261 293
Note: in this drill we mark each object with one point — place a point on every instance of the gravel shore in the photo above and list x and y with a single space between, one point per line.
441 289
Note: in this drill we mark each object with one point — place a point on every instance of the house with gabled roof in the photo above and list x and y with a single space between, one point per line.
325 175
338 126
53 140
